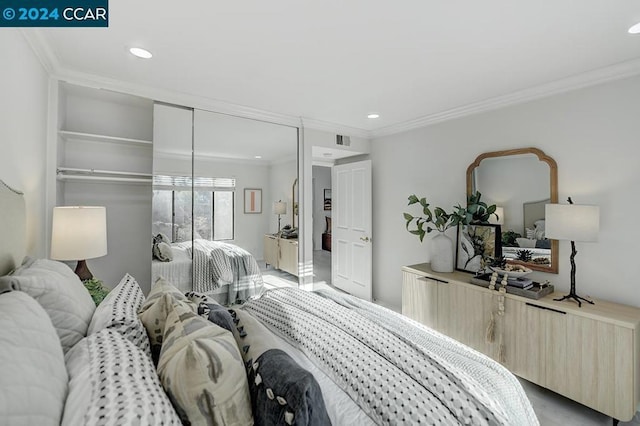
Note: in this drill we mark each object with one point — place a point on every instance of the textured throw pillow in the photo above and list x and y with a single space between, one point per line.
119 312
33 377
163 252
161 248
112 382
61 293
210 309
281 391
202 371
154 311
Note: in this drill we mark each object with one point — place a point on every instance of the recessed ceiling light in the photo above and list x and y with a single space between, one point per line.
374 115
258 156
635 29
140 53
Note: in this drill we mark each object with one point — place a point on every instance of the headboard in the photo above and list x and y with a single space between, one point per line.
533 211
13 228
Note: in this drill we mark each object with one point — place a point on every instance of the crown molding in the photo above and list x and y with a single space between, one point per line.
50 62
41 49
339 129
578 81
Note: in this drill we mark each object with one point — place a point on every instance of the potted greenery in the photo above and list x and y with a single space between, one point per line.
439 220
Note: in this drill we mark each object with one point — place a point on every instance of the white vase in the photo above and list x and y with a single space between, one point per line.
442 253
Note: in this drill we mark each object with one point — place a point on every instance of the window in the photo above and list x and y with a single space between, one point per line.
213 207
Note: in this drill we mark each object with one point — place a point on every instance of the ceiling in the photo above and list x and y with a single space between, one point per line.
335 61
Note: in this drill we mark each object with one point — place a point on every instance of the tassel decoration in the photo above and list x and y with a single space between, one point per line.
502 356
490 335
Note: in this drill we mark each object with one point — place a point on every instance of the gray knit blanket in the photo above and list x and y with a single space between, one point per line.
217 264
397 371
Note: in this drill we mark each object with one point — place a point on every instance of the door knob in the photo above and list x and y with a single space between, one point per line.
365 239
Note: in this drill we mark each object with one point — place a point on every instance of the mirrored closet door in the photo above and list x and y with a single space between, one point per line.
223 199
172 224
244 172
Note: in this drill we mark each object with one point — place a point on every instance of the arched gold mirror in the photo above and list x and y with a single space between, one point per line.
520 181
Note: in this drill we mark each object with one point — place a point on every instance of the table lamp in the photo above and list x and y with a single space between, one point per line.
79 233
573 223
279 208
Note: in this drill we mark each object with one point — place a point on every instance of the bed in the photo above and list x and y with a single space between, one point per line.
286 357
223 271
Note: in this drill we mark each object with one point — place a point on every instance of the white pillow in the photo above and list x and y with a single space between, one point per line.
119 311
33 377
61 293
112 382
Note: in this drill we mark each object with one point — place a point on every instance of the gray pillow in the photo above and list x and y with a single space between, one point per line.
60 292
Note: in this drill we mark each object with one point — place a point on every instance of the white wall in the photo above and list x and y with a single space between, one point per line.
592 134
321 181
249 228
23 131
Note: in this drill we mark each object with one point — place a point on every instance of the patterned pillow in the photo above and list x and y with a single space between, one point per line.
210 309
163 252
61 293
202 371
161 248
281 391
154 311
112 382
33 378
119 312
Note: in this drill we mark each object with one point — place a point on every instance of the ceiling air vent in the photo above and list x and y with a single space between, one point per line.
343 140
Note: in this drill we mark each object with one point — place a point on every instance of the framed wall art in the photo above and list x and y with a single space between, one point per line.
475 244
253 200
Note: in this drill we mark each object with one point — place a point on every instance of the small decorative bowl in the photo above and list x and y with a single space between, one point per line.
516 273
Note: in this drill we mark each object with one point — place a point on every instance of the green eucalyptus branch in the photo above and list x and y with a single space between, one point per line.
438 219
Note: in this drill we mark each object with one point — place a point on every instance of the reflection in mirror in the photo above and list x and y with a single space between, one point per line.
172 195
521 182
294 198
252 164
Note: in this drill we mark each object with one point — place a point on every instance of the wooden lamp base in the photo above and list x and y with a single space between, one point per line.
83 271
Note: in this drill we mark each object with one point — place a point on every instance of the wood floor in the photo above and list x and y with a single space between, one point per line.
552 409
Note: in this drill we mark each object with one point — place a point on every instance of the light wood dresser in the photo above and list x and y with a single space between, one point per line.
281 253
588 354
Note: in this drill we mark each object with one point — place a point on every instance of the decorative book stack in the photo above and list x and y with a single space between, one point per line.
520 282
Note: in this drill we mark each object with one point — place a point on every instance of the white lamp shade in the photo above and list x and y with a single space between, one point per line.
500 219
279 207
572 222
79 233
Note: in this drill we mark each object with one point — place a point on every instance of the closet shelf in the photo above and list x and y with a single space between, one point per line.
89 175
79 136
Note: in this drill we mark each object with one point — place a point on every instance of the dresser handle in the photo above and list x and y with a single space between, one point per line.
432 279
548 309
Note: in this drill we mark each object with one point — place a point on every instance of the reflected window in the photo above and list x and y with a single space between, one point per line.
213 208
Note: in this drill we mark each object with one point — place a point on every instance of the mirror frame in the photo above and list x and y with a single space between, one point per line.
553 191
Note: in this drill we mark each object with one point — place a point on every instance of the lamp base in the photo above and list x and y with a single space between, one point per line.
82 271
575 297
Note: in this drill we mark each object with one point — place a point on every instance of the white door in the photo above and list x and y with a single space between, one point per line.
351 233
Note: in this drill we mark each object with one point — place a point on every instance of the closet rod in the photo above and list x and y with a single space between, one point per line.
104 178
71 173
72 170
